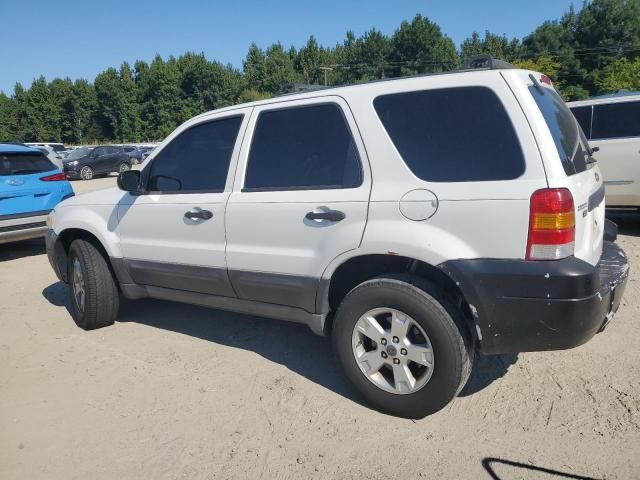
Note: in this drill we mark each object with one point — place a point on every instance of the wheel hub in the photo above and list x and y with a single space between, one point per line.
393 351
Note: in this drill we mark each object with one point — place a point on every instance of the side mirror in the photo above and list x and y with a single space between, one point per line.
129 181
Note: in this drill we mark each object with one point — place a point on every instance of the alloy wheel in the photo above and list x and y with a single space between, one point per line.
78 284
393 351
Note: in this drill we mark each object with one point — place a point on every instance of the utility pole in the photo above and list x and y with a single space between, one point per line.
325 70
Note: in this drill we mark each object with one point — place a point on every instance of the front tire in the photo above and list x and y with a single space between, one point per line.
86 173
94 293
403 345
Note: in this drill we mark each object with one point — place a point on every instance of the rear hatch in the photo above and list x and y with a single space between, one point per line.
569 163
21 187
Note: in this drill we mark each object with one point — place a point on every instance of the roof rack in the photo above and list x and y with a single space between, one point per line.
484 61
292 88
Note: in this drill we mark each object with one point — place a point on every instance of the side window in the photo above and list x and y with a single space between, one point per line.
616 120
197 160
460 134
583 116
307 147
100 151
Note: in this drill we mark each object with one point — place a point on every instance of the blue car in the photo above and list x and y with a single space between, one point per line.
30 187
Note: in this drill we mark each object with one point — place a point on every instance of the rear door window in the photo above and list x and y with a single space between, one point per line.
460 134
24 164
583 116
299 148
563 128
616 120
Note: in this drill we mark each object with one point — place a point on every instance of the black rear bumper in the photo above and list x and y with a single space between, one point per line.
522 306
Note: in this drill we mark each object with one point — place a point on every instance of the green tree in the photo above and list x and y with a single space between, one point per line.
621 74
279 69
7 118
255 68
495 45
420 47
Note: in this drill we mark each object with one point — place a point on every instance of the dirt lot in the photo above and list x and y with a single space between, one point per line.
174 391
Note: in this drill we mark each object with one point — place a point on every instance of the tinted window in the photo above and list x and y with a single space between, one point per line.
197 159
100 151
57 147
129 149
563 128
452 134
306 147
616 120
583 116
24 164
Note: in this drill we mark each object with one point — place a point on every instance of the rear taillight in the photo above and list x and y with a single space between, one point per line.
552 225
546 79
56 177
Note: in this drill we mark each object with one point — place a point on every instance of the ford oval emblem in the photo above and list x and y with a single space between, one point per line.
15 182
597 176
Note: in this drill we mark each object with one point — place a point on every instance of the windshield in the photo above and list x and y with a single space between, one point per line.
24 164
564 129
78 153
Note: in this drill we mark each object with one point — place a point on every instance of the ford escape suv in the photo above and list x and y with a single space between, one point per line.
416 221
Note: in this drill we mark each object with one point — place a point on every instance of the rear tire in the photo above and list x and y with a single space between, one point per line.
124 166
94 293
433 317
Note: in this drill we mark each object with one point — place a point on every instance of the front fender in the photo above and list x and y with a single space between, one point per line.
98 220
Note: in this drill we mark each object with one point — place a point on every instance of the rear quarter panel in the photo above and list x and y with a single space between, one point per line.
473 219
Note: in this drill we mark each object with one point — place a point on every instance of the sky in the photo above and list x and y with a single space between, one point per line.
79 39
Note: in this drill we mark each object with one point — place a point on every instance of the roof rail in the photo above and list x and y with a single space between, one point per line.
292 88
484 61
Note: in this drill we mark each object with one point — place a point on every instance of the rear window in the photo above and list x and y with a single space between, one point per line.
24 164
583 116
616 120
563 128
461 134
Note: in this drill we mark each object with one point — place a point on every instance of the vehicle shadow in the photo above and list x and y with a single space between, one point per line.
25 248
540 472
289 344
628 221
486 370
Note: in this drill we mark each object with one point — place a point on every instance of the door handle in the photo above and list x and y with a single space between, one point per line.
198 214
331 215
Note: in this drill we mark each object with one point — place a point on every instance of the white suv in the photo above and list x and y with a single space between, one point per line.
415 220
612 125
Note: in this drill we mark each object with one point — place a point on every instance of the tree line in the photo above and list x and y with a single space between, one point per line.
587 52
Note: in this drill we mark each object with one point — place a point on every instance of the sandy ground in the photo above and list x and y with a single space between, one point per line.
173 391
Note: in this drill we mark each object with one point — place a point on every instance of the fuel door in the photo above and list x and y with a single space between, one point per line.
419 204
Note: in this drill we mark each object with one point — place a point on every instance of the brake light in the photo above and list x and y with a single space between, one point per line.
545 79
552 225
56 177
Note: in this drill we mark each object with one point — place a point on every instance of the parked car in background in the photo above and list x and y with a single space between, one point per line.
55 146
145 152
85 163
52 155
415 220
611 123
135 154
30 187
